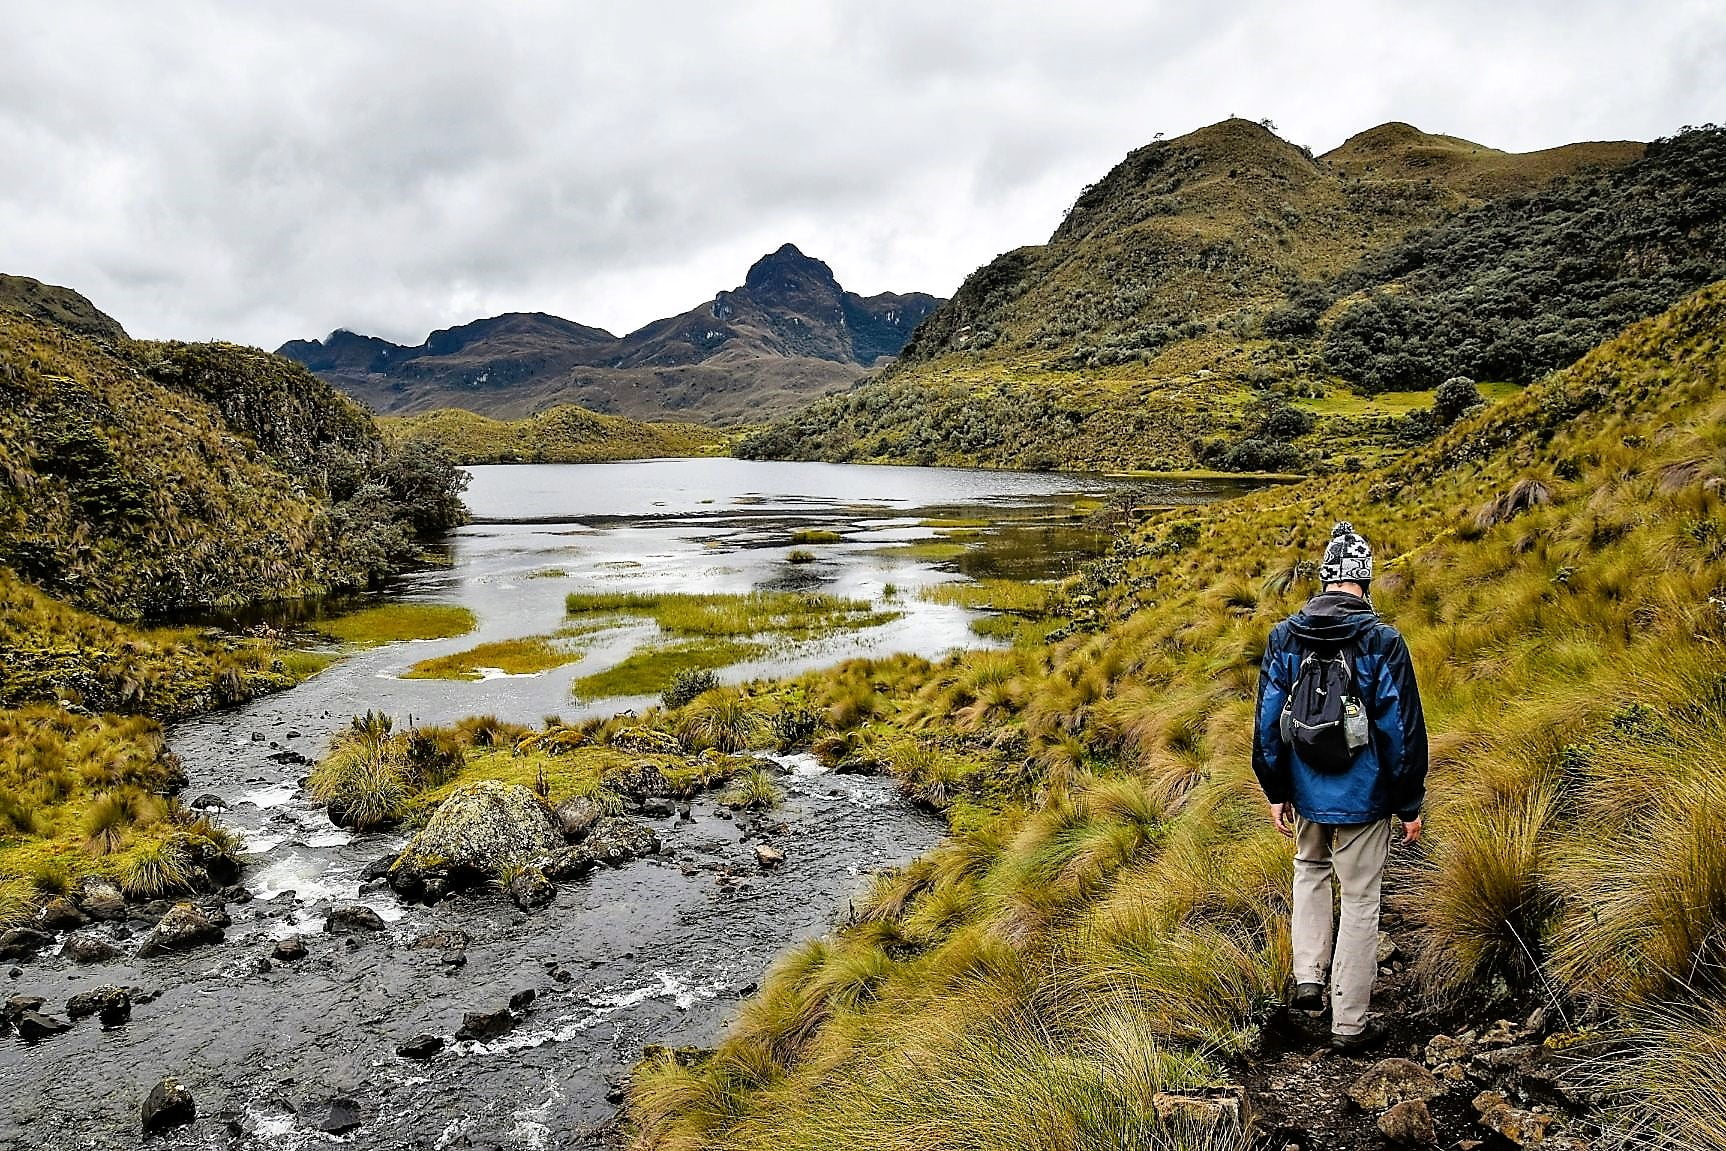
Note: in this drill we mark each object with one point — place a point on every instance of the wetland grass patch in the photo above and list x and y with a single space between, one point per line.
525 656
395 622
794 615
650 670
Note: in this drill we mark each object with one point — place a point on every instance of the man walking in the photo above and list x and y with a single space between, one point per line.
1339 747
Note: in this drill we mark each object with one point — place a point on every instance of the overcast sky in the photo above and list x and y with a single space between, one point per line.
266 171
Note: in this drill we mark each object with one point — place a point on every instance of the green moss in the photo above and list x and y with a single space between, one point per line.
649 670
395 622
510 656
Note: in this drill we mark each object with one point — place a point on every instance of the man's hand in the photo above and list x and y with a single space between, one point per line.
1411 830
1279 816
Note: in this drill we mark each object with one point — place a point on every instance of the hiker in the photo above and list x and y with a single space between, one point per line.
1339 748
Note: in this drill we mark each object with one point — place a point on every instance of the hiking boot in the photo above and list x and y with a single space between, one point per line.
1356 1042
1307 997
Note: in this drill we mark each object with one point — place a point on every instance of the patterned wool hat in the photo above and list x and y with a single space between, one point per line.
1347 557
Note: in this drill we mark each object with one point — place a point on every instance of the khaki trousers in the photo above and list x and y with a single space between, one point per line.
1354 854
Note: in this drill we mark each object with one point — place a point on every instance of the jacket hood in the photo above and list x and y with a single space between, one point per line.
1333 618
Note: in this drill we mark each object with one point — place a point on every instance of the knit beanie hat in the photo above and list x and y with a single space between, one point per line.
1347 557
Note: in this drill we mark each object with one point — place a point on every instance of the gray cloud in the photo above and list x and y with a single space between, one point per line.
261 172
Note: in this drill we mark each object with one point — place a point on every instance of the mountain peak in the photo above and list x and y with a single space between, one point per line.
785 270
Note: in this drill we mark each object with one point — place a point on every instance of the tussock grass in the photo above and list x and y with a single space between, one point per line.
1110 859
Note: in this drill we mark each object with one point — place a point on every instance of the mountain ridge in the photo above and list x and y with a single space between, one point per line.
787 333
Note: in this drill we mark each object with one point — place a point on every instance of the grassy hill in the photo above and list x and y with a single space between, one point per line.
1106 920
154 478
139 481
562 435
1211 281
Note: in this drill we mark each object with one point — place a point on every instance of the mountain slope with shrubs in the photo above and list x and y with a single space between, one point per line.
1209 277
138 481
1107 920
150 478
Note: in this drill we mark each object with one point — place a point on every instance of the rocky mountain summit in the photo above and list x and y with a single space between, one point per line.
788 333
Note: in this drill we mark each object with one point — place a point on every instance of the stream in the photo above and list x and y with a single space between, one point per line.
660 950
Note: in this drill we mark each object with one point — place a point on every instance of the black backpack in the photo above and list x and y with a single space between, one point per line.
1323 718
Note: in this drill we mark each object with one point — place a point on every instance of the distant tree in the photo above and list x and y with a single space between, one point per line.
1455 398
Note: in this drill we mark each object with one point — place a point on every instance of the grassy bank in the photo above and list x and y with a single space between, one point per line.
1107 917
560 435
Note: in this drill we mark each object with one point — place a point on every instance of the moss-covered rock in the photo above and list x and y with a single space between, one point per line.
480 830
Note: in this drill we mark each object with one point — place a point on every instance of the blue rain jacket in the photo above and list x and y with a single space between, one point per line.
1388 775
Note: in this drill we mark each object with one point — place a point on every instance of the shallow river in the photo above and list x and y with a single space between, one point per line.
656 951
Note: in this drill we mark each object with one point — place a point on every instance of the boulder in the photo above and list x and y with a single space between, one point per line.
168 1105
290 949
88 947
1408 1124
22 942
112 1004
1442 1049
646 741
768 857
343 1116
570 864
657 808
59 914
575 815
420 1047
1387 951
615 841
378 868
1392 1081
353 918
186 925
476 833
483 1025
529 889
209 801
1523 1128
100 899
33 1026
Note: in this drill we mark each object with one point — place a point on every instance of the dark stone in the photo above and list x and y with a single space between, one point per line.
186 925
112 1004
88 947
486 1024
658 808
23 942
858 765
571 864
352 918
574 816
209 801
60 914
289 950
530 890
101 900
448 940
378 868
523 999
168 1105
34 1026
344 1116
615 841
237 894
420 1047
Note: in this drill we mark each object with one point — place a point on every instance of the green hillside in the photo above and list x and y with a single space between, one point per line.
1106 920
138 481
1210 281
154 478
562 435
